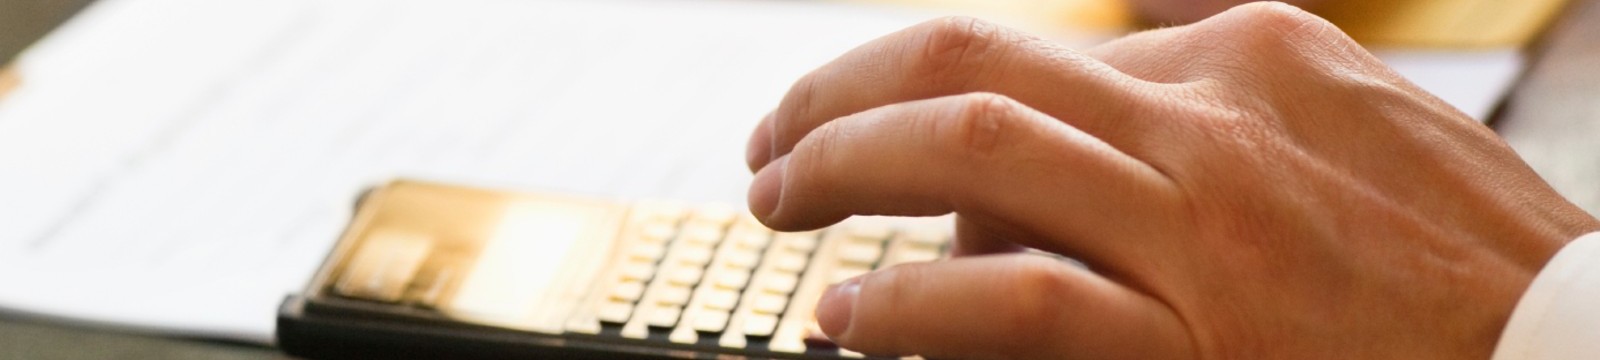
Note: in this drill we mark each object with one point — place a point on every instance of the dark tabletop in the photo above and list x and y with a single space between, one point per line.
1552 118
22 338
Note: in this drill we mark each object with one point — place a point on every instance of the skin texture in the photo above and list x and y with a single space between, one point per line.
1254 185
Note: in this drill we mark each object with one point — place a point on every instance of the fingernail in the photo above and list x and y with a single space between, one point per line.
767 187
759 149
837 305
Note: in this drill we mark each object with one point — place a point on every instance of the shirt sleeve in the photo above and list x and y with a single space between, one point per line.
1559 316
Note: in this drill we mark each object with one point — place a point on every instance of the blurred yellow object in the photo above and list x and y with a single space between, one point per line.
1092 15
1442 23
8 81
1403 23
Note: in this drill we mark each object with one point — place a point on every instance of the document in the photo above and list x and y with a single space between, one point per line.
180 166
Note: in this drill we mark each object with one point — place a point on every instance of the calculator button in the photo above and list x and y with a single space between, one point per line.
740 259
860 253
637 271
748 220
684 275
716 214
798 242
665 316
867 231
629 291
633 331
750 238
658 232
710 320
385 265
702 234
842 273
672 295
779 283
788 262
437 282
614 312
721 299
769 304
647 252
925 237
684 333
905 254
732 279
760 324
697 256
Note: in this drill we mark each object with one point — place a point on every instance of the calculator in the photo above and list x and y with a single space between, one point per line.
444 271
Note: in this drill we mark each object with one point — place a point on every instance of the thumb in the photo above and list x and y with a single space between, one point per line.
998 306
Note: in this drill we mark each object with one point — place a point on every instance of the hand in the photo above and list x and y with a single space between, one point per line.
1187 11
1251 186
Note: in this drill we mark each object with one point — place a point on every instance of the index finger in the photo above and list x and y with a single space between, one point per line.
955 56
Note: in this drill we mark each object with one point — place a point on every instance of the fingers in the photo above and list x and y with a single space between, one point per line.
977 155
948 57
1003 306
758 150
975 238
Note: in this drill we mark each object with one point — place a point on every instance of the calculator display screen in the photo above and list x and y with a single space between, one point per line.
535 266
508 260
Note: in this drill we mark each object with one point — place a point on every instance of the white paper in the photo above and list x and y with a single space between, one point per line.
1474 81
181 165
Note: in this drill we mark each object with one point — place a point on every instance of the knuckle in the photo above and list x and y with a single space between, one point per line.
1267 38
1272 13
1040 285
815 155
955 48
894 285
1277 25
897 281
798 104
905 280
979 125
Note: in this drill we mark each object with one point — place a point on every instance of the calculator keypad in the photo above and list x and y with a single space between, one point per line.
719 275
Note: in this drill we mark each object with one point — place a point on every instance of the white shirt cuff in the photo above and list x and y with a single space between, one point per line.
1559 316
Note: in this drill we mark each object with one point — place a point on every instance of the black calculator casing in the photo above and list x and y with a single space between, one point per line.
337 328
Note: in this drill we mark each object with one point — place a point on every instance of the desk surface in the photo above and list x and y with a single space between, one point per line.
32 339
1552 119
